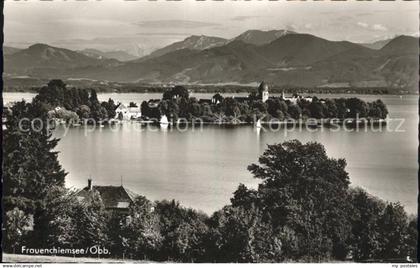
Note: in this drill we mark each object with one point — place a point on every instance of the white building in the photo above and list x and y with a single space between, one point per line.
263 91
295 98
128 113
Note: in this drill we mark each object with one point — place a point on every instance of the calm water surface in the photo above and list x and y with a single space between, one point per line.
202 169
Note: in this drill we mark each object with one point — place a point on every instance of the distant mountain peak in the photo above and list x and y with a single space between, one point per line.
260 37
39 57
193 42
198 37
38 46
115 54
280 56
402 44
377 44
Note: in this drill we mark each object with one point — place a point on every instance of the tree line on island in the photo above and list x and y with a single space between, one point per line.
302 210
75 104
176 103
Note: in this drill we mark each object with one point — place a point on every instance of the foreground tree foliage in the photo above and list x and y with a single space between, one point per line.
303 198
183 231
30 164
240 234
140 231
15 225
366 212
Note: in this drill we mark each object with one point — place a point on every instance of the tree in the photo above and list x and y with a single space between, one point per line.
90 219
259 106
276 108
412 238
98 112
392 227
217 98
244 197
241 235
83 111
305 191
53 93
180 92
356 107
15 223
164 107
364 217
144 108
342 110
294 111
59 218
183 231
331 110
141 230
110 108
167 95
316 110
377 109
30 165
93 98
176 92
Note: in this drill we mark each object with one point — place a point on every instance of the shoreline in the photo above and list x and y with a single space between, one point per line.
235 92
285 123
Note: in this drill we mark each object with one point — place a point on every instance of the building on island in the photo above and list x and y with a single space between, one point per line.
263 91
153 103
217 98
115 198
127 112
262 94
295 98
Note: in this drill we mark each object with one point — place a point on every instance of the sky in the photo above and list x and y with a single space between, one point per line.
140 27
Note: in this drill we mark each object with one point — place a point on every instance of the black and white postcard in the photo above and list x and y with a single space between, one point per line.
210 131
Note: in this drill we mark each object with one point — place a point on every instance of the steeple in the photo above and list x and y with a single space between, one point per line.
90 183
263 91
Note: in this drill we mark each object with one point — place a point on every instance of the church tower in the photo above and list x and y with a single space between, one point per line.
263 91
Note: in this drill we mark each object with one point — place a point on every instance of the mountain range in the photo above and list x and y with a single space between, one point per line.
9 50
116 54
258 38
193 42
280 57
377 44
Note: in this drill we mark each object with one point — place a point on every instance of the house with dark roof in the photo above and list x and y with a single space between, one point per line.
114 198
127 112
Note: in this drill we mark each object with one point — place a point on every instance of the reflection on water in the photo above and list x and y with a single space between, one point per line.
203 168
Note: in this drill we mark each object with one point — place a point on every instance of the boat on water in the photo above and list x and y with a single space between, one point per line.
164 120
258 123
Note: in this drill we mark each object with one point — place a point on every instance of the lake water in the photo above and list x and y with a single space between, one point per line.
202 169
